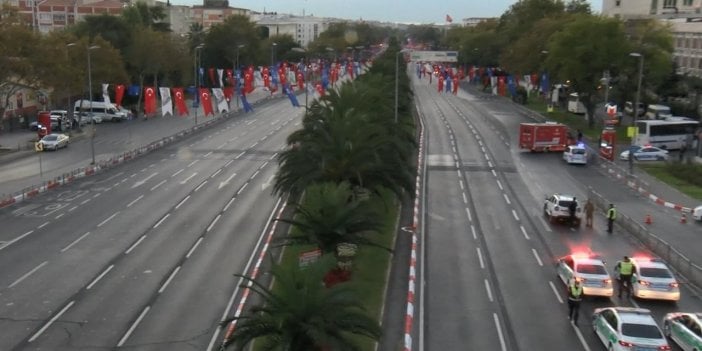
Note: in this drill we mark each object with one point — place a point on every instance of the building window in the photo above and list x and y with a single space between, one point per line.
618 3
654 7
670 3
687 2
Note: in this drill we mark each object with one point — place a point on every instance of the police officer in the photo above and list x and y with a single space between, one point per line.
625 269
575 295
611 216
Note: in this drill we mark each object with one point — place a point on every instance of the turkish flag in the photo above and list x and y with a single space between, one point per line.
320 89
300 80
281 75
211 73
119 94
449 19
228 93
149 100
206 99
230 76
180 101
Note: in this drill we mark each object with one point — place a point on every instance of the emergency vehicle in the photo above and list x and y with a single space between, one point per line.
589 270
627 329
685 329
543 137
575 154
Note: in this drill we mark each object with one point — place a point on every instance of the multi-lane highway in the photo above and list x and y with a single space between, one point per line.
488 254
142 256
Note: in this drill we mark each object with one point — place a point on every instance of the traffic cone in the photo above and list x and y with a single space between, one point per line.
683 219
648 219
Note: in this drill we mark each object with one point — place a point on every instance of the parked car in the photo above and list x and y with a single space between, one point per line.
645 153
54 141
85 118
697 213
629 109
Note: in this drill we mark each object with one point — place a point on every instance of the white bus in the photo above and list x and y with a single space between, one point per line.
669 135
574 104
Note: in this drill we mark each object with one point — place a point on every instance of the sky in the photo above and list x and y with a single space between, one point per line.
403 11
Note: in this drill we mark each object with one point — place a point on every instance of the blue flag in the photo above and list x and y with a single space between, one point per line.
545 86
246 104
293 99
447 84
133 90
511 85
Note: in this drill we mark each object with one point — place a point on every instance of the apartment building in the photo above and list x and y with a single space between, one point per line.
304 29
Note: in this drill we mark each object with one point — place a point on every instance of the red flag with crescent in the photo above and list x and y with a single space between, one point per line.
179 97
211 73
228 93
149 100
119 94
206 100
230 76
320 89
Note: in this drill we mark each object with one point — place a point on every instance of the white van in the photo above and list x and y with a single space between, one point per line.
658 112
108 112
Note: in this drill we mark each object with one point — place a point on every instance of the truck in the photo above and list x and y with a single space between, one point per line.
544 137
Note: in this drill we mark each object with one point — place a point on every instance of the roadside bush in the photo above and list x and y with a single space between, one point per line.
687 173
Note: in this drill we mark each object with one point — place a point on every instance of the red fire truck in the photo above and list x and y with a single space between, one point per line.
544 137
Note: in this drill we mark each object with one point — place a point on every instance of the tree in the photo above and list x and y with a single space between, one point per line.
578 6
142 15
526 54
222 40
149 55
522 15
111 28
331 215
300 314
601 40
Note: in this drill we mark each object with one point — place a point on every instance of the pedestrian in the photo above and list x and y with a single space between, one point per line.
611 216
589 210
575 295
625 269
683 149
572 207
580 136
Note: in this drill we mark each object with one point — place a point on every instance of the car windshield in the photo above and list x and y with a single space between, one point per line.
578 151
591 269
655 273
646 331
50 137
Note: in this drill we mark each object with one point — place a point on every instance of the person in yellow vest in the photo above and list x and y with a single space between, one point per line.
626 270
575 295
611 216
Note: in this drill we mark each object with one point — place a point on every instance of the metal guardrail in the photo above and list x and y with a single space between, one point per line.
683 265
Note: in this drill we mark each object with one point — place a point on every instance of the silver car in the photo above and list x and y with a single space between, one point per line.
54 141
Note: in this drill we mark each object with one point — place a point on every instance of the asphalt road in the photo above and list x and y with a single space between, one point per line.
142 255
489 254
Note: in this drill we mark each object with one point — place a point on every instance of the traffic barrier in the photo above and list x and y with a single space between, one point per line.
648 219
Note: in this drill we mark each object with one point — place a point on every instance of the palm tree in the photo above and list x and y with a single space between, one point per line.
331 215
300 314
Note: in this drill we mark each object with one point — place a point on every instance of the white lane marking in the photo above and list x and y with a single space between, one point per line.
228 203
226 181
135 244
254 175
580 337
201 185
221 146
72 208
558 296
207 154
191 163
234 138
536 255
514 213
75 242
177 173
228 163
85 201
499 332
26 275
472 229
460 183
158 185
506 198
487 158
213 222
216 173
182 202
188 178
268 182
192 249
161 221
50 322
253 145
465 199
43 225
239 155
133 175
524 232
489 292
135 200
108 219
131 329
107 270
242 188
494 174
480 258
470 218
499 184
59 216
141 182
489 163
168 281
98 194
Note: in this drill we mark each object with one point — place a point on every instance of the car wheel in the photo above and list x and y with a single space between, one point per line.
610 347
666 329
552 219
660 158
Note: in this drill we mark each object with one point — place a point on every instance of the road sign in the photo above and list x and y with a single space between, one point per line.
308 257
434 56
38 146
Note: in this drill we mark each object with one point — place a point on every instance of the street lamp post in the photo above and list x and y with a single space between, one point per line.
196 75
636 105
236 88
273 53
90 96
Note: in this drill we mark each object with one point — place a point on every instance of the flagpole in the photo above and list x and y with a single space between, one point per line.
197 79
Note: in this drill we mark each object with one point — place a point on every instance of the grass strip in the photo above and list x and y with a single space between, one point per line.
665 174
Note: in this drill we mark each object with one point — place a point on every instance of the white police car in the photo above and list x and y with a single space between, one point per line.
645 153
627 329
685 329
589 270
575 154
652 279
